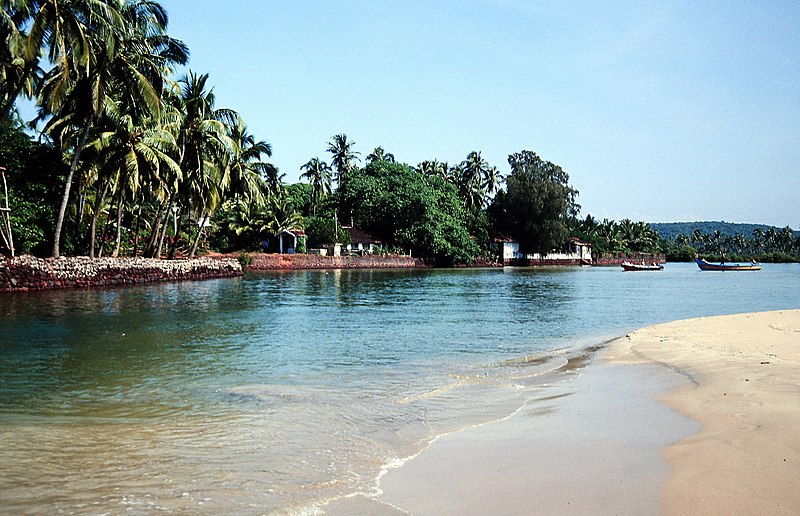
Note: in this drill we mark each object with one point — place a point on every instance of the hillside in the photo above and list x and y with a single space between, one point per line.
670 230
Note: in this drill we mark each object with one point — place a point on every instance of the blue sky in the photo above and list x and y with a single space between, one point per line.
659 111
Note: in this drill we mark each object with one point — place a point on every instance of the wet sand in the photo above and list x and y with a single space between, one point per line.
745 392
722 439
588 445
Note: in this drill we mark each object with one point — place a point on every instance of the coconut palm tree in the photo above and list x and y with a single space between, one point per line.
379 154
126 55
19 72
130 155
204 147
471 179
344 157
80 37
281 216
318 174
241 174
247 171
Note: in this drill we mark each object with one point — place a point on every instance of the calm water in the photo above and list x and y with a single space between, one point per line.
276 392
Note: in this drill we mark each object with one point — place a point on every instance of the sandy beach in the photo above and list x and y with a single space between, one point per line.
744 389
691 417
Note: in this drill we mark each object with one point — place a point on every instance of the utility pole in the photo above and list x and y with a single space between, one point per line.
5 216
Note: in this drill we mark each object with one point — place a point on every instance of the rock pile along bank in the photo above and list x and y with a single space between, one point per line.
25 273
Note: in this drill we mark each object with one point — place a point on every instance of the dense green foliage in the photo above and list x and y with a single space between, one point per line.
623 237
409 210
32 176
147 159
538 204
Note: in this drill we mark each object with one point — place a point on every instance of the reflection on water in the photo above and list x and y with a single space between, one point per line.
277 391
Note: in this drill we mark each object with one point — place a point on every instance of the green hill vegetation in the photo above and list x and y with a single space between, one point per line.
671 230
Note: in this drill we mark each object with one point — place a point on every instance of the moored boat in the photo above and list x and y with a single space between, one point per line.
722 266
630 266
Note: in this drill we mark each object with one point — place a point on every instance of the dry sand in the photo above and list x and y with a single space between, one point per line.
600 443
745 392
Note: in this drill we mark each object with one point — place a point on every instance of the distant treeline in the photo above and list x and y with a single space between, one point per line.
731 241
671 230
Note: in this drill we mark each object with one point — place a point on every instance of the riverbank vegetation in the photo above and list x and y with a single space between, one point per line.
129 158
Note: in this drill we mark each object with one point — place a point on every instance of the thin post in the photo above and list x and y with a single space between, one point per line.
5 211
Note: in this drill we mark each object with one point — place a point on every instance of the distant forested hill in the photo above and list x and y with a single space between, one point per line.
670 230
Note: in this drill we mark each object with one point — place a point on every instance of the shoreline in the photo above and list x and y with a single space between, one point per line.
696 416
744 392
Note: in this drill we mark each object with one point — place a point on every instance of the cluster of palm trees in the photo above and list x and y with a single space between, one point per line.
770 240
143 149
475 180
623 237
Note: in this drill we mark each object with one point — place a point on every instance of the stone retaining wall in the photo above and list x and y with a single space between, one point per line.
267 262
25 273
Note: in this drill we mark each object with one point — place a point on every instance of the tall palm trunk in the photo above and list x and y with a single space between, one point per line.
98 203
138 226
118 239
155 231
203 218
62 211
166 225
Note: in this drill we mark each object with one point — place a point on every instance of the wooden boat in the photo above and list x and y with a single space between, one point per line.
630 266
722 266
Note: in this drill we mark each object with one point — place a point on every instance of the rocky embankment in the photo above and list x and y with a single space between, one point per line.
24 273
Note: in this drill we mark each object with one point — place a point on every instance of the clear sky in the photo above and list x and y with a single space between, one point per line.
659 111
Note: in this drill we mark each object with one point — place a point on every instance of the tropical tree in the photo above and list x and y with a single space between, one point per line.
538 204
19 70
343 158
318 174
435 168
81 37
204 148
130 155
470 180
406 209
379 154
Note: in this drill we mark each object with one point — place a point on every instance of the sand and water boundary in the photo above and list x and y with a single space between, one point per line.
699 416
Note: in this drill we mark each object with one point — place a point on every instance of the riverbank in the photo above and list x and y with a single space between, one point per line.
26 273
600 443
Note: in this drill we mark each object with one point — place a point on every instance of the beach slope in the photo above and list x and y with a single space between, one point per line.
744 390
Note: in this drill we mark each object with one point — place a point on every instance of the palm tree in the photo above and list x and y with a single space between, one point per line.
131 119
247 171
109 52
758 237
379 154
19 71
131 155
318 174
344 157
239 173
471 178
770 239
204 146
281 216
491 181
80 36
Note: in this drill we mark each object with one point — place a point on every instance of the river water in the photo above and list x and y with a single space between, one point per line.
277 392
